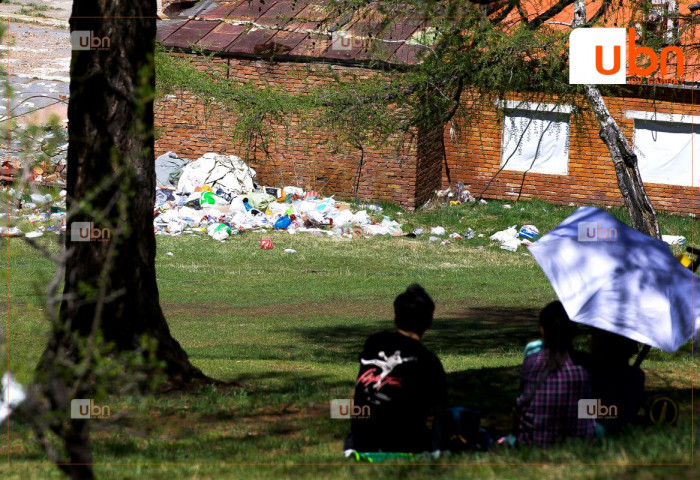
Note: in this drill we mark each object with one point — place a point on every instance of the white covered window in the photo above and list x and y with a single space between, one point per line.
667 148
536 138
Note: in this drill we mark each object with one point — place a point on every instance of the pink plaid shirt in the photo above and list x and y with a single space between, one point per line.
552 413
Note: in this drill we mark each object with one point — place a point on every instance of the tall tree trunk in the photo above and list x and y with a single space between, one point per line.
111 181
642 213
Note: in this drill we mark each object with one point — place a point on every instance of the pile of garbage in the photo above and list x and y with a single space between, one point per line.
43 213
217 194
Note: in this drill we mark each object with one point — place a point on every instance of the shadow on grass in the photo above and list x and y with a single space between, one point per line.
472 331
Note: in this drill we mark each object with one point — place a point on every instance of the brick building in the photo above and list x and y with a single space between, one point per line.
563 161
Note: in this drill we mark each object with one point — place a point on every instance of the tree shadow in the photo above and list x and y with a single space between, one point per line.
471 331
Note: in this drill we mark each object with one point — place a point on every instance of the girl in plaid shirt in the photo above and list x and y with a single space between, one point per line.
552 385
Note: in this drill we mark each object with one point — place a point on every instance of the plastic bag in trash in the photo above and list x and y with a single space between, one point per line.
266 243
510 244
361 218
528 232
673 239
12 395
505 235
469 234
283 223
437 231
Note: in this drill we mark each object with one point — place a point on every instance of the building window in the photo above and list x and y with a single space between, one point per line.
535 137
667 148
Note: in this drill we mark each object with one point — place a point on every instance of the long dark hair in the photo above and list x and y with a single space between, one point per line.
558 332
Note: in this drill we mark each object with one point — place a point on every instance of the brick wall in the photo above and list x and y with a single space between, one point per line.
474 157
297 156
409 176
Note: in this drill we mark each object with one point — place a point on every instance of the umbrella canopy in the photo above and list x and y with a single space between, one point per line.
613 277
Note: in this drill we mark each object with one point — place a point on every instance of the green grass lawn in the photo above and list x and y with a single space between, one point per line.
289 328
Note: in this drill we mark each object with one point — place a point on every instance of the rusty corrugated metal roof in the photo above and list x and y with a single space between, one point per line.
292 28
306 30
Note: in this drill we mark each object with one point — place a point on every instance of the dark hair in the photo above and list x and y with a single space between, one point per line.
413 310
558 332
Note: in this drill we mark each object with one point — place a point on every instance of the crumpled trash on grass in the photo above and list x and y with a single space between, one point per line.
673 239
508 238
12 395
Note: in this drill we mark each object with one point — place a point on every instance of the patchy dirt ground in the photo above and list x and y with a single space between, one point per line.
36 52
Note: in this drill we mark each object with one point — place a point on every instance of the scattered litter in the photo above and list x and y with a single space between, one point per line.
673 239
508 239
33 234
483 202
506 206
456 236
511 244
170 254
504 235
219 231
10 232
469 234
418 231
374 208
433 239
462 194
437 231
481 235
528 232
445 242
289 250
12 395
266 243
572 204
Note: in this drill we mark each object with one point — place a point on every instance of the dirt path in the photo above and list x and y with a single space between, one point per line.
36 55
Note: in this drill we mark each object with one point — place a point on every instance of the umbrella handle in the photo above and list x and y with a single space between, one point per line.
641 355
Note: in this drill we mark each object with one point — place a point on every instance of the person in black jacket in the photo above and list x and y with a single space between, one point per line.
401 385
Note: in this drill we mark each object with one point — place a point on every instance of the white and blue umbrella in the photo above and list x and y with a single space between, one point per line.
613 277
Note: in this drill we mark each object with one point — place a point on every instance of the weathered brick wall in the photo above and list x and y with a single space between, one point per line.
475 154
297 156
408 177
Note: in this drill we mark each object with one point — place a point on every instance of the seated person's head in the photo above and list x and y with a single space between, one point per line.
558 333
413 310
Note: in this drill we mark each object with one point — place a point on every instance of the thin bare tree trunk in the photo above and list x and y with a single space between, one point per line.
629 180
642 213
